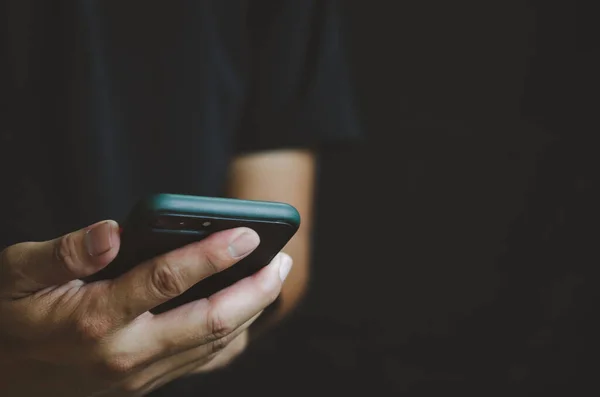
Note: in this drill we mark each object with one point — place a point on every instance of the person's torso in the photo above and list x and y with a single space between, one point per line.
105 102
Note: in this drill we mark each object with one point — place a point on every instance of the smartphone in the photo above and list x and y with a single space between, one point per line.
163 222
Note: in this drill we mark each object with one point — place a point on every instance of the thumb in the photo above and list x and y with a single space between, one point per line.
32 266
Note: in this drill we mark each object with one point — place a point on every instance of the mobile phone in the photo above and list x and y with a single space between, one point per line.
163 222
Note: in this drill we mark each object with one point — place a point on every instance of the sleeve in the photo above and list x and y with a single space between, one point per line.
300 90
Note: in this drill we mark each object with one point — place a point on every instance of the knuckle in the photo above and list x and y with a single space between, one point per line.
65 251
167 280
213 262
218 345
219 328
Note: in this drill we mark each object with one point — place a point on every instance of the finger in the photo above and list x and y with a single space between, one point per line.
209 320
227 356
31 266
170 368
167 276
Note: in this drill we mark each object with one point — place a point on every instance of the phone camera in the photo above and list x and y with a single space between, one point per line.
177 222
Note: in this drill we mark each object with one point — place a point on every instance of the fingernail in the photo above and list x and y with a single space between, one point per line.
284 266
98 239
243 244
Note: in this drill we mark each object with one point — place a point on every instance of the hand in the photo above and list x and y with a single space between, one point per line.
62 337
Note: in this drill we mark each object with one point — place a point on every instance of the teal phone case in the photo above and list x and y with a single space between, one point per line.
154 227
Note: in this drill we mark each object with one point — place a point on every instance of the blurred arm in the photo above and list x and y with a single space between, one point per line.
286 176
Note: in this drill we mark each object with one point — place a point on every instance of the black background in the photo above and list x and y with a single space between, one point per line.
455 246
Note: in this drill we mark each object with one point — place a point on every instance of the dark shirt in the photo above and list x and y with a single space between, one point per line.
104 102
